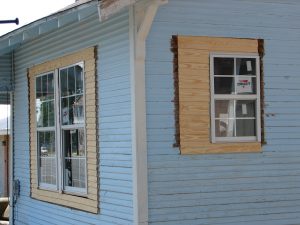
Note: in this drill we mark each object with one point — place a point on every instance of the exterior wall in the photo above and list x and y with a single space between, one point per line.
115 162
5 78
236 189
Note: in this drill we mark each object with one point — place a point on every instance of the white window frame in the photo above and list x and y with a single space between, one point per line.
42 185
60 187
255 97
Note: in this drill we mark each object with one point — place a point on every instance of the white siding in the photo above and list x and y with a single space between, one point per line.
236 189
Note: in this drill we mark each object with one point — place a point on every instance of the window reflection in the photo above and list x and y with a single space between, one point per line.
75 160
45 100
72 100
47 157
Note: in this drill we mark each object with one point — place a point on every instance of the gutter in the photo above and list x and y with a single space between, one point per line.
75 13
141 17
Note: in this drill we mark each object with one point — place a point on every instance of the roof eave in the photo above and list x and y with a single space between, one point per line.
75 13
108 8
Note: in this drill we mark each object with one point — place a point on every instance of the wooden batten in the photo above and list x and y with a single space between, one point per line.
193 89
88 202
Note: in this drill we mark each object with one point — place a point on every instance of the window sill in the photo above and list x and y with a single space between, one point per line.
83 203
220 148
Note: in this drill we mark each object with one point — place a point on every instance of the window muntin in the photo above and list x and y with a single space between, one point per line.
74 159
45 120
62 136
47 158
73 128
235 101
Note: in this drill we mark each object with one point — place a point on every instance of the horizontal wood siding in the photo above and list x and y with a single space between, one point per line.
236 189
5 78
114 122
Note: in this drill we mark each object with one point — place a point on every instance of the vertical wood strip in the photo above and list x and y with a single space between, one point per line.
87 203
192 91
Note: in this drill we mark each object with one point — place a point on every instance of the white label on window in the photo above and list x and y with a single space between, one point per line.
244 109
249 66
244 85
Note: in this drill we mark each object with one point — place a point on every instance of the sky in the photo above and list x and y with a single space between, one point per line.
5 111
27 11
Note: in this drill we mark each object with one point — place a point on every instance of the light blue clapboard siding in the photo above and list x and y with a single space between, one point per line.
115 166
5 78
235 189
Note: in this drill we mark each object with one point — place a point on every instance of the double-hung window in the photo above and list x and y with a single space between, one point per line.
235 98
63 131
61 135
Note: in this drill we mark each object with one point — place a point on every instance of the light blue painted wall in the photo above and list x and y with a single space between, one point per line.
5 77
115 165
235 189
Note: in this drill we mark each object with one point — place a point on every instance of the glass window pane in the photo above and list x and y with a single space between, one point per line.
64 82
44 87
75 158
38 87
245 108
39 114
79 79
44 102
72 104
51 116
78 110
224 85
246 66
224 127
67 104
71 81
245 127
224 109
50 86
223 66
245 85
65 111
47 155
44 114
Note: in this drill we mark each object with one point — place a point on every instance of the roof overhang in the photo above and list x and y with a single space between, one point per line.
109 7
73 14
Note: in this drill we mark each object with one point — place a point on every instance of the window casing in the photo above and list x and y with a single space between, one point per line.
45 131
66 143
235 98
60 114
199 110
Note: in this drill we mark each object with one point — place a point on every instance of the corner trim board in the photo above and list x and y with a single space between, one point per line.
138 33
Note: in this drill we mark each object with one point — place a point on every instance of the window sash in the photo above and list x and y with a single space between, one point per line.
58 128
235 96
62 127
